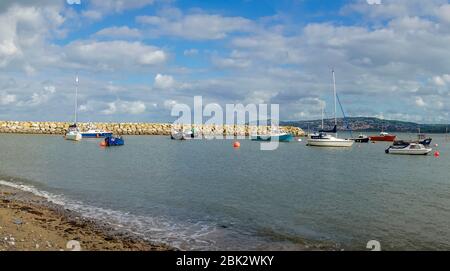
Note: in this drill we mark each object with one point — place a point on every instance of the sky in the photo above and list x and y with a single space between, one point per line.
135 59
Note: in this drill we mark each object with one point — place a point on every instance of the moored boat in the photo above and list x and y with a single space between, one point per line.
326 140
361 139
73 133
409 149
94 133
281 137
322 139
383 137
113 141
184 134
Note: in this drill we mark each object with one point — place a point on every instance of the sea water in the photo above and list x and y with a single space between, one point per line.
207 195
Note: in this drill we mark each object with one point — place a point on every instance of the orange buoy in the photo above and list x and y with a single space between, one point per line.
236 144
103 144
436 154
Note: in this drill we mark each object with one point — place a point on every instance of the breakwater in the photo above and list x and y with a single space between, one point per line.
60 128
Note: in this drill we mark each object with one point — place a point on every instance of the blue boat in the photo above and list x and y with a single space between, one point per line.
114 141
281 137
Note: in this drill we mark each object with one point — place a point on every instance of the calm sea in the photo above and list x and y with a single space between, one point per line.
204 194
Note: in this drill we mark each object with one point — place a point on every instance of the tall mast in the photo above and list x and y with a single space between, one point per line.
334 91
322 115
76 98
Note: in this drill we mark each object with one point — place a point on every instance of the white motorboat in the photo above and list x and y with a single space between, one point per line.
322 139
409 149
183 134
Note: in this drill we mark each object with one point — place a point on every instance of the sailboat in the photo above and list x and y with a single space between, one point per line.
323 139
73 133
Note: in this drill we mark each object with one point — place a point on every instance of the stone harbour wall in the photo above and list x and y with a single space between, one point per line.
60 128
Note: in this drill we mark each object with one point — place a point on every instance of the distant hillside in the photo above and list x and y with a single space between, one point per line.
370 124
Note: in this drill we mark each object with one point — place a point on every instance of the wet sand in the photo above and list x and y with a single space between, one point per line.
29 222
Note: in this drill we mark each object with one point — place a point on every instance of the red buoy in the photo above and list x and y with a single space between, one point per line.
236 144
436 154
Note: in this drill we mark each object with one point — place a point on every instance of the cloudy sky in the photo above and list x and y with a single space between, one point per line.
137 58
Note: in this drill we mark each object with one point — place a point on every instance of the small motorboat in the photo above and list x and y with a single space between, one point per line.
383 137
361 139
113 141
278 136
183 135
93 132
73 133
409 149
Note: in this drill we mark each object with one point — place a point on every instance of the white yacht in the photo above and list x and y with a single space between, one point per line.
325 140
322 139
73 133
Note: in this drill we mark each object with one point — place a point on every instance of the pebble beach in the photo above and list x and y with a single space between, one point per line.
31 223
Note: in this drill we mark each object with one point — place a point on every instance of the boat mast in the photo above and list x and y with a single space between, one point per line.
76 98
334 91
322 115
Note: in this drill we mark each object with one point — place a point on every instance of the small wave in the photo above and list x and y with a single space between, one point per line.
185 236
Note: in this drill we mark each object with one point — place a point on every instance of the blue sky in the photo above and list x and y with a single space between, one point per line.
138 58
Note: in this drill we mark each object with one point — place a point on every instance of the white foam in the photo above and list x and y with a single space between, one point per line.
185 236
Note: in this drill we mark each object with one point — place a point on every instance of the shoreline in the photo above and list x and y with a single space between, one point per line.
32 223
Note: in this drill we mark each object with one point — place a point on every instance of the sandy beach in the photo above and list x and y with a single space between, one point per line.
29 222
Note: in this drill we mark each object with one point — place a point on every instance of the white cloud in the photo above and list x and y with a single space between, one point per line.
374 2
124 107
230 62
119 32
190 52
93 15
73 2
392 9
307 108
196 26
6 99
24 29
113 55
164 81
168 104
441 80
97 9
260 97
41 97
420 102
443 12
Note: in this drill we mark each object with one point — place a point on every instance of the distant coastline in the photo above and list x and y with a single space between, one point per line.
370 124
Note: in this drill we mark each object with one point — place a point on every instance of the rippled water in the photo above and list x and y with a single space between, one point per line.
203 194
